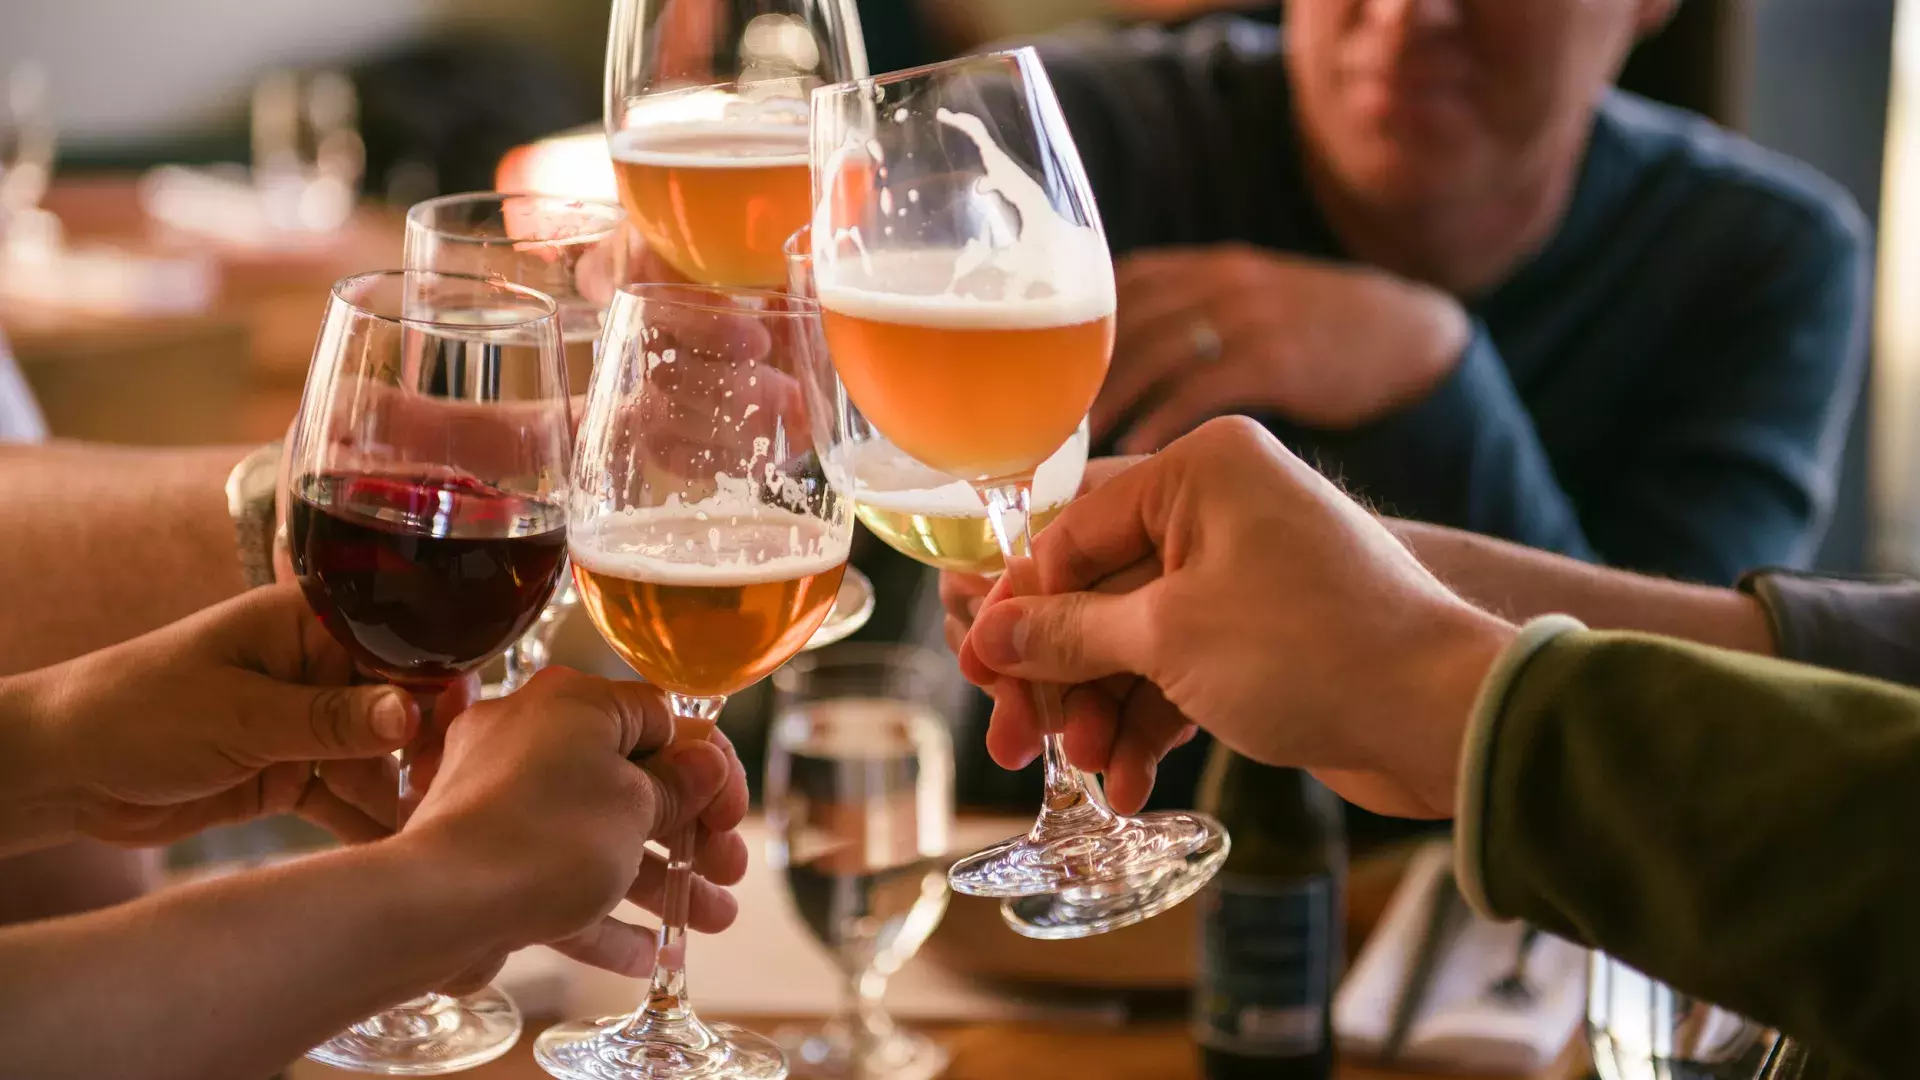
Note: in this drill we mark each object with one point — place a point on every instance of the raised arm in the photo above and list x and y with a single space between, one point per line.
531 833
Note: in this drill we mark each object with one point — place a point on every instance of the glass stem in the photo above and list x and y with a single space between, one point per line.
868 1021
668 1011
1072 802
428 740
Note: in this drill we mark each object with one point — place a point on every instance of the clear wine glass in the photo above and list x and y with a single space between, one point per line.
859 799
967 297
926 515
574 250
427 527
708 547
707 124
1642 1029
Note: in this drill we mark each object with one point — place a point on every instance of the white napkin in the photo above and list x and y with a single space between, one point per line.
1460 1028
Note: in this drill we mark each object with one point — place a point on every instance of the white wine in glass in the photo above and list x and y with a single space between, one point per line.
967 297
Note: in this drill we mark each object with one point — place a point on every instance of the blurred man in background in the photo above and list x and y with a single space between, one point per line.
1430 246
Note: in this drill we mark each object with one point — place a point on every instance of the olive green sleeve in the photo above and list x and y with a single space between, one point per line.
1743 828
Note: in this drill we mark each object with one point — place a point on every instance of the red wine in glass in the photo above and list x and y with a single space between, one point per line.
423 579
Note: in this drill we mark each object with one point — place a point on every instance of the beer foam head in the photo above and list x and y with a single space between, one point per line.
675 545
712 145
886 478
1054 272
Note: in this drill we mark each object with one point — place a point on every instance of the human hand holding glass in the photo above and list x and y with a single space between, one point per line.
426 525
967 298
708 547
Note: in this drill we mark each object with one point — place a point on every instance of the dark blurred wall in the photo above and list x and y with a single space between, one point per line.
1817 89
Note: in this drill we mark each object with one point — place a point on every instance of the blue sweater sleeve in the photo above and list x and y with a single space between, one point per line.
1735 460
1725 460
1467 455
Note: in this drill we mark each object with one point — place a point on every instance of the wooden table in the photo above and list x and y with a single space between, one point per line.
1157 1051
1156 953
231 372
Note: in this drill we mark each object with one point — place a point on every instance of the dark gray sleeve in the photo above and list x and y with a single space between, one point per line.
1863 626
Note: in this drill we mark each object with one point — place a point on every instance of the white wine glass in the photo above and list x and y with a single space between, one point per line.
708 547
930 517
575 251
706 116
859 800
967 298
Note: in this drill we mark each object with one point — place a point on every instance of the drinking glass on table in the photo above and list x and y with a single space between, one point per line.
707 124
967 297
928 516
1642 1029
859 800
427 527
574 250
708 547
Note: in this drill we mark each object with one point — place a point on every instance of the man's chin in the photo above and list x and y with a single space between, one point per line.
1410 179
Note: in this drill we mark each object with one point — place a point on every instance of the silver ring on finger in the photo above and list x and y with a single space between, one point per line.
1205 341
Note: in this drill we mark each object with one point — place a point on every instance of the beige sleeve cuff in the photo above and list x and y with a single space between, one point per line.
1476 749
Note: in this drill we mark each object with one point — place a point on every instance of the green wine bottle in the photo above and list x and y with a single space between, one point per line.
1271 925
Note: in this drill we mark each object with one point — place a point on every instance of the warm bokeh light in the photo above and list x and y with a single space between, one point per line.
574 164
1896 372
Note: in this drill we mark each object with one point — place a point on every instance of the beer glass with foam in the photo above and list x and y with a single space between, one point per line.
707 123
967 297
708 547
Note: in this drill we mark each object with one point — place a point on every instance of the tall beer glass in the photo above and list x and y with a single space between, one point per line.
967 297
709 549
574 250
707 124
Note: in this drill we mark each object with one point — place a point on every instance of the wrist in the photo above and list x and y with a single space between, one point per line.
480 890
453 904
1449 677
39 800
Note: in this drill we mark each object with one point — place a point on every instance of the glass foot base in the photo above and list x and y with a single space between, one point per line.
1087 883
829 1052
430 1037
852 607
595 1050
1124 855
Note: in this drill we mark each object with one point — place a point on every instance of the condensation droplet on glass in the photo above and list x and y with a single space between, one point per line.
749 411
900 115
913 195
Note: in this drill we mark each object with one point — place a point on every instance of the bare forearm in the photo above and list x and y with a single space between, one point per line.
1519 583
234 977
105 543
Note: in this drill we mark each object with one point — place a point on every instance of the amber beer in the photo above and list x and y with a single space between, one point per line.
717 201
707 606
978 389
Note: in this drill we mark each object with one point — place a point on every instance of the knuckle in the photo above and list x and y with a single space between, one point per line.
330 719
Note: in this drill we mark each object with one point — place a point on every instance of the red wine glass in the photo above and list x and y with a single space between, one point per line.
427 524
